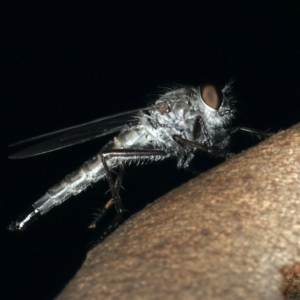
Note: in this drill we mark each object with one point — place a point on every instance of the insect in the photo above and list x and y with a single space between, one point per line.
179 123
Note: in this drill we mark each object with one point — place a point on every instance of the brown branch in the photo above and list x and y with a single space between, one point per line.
227 234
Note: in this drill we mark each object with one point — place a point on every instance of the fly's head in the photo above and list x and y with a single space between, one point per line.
214 113
215 106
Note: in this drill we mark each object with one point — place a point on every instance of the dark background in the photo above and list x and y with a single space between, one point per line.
71 63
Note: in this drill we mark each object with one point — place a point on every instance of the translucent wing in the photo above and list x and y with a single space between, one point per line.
77 134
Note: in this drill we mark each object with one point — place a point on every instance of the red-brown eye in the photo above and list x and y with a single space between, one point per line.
211 96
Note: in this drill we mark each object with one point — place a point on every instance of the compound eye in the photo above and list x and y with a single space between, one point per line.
211 96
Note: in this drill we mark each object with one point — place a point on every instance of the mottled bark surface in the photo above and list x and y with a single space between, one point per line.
231 233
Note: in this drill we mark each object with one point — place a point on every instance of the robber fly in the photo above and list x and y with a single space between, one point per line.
179 123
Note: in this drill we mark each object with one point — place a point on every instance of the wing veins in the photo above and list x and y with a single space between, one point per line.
77 134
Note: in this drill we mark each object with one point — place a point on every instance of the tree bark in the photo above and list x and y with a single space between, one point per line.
231 233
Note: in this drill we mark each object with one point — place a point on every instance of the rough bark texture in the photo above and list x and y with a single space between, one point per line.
231 233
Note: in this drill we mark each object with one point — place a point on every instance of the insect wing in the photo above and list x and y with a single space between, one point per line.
77 134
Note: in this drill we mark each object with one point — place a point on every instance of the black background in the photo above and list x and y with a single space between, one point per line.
71 63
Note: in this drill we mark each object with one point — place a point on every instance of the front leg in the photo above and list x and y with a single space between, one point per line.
192 144
258 133
184 161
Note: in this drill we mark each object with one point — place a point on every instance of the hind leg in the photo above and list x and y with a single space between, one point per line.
103 211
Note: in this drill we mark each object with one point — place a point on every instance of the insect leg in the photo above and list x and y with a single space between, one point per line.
115 195
192 144
123 154
186 164
253 131
102 212
200 127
